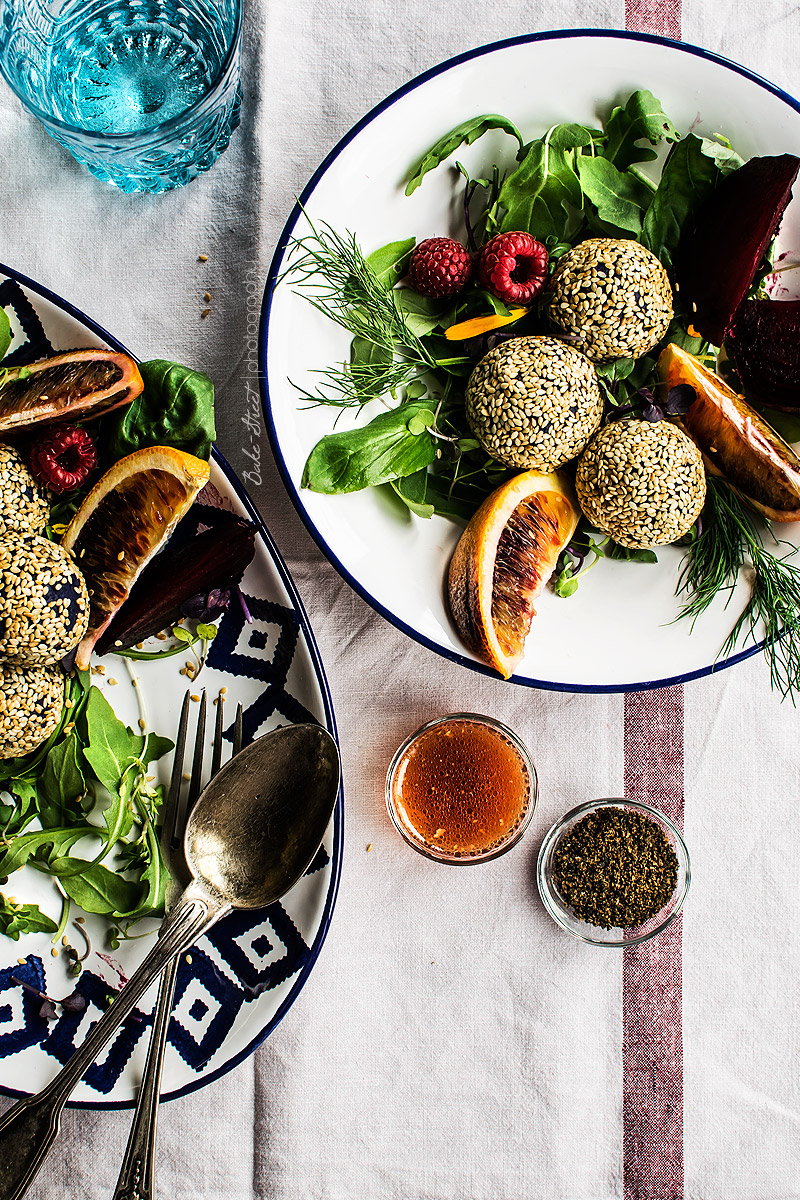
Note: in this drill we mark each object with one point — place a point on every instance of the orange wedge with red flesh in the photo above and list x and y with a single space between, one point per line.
76 386
735 441
503 560
124 520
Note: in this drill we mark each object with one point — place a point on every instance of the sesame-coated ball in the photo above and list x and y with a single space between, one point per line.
534 402
31 700
24 507
641 482
44 603
613 296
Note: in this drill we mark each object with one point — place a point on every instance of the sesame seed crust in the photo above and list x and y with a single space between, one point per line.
44 603
24 507
31 700
613 295
641 482
534 402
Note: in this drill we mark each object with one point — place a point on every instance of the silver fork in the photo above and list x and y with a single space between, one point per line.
136 1177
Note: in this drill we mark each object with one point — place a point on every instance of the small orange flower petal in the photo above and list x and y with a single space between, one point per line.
478 325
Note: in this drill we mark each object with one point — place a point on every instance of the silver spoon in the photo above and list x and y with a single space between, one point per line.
253 833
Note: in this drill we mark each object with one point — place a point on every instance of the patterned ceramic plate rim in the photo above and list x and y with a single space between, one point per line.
276 561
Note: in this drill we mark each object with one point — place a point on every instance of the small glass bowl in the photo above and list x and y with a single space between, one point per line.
499 845
594 935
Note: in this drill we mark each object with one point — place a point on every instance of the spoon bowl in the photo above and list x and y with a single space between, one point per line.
260 821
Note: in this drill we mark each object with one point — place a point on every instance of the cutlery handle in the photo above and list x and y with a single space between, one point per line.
29 1128
135 1180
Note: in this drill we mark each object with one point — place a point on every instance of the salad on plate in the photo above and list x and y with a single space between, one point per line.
598 366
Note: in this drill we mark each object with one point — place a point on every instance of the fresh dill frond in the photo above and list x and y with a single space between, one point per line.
731 538
330 270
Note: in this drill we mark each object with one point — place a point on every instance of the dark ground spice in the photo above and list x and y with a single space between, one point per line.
615 868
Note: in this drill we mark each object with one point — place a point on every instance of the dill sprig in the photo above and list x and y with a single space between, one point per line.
731 539
335 277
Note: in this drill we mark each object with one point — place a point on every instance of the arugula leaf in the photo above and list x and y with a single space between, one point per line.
390 262
5 333
619 197
111 745
688 178
412 490
722 153
96 888
23 918
463 135
640 119
176 408
385 449
535 196
27 845
62 783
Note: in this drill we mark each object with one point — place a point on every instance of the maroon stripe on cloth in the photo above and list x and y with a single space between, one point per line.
654 16
652 1043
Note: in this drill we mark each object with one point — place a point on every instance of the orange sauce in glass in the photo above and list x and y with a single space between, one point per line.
461 789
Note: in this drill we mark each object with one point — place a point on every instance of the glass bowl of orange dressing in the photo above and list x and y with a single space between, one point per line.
462 789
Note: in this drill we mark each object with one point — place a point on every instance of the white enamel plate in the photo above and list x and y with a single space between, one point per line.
240 979
618 632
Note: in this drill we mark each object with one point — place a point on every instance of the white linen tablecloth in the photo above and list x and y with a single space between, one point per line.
451 1042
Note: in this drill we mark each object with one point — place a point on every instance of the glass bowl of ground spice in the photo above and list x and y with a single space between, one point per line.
462 789
614 872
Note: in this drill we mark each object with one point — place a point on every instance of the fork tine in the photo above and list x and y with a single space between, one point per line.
185 805
237 730
196 784
216 753
173 795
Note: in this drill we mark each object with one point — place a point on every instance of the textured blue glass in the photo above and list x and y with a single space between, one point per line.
146 93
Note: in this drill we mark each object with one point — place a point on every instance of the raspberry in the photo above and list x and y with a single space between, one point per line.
439 267
513 267
62 458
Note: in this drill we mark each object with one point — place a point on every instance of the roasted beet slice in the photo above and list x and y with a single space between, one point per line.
215 558
718 258
764 341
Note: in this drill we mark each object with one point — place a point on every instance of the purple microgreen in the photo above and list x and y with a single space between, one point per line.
47 1012
206 606
34 991
74 1003
248 616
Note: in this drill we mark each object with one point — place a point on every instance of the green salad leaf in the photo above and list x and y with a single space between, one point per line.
5 333
393 445
687 180
16 919
176 408
640 119
390 263
463 135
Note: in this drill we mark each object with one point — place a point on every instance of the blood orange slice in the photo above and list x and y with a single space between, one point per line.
76 386
734 440
502 561
125 518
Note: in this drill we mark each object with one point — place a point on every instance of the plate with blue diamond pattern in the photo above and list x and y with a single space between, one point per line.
240 979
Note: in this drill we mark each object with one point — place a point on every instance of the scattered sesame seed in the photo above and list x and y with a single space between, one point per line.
205 312
196 699
202 258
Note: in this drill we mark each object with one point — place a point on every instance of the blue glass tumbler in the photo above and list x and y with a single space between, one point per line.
145 93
